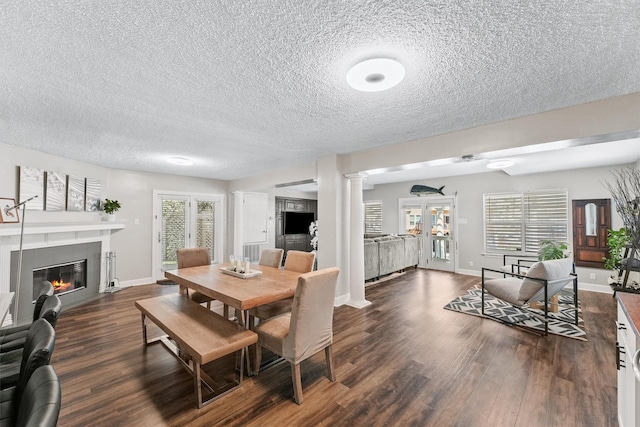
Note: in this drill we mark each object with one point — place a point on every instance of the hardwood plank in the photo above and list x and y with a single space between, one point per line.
404 360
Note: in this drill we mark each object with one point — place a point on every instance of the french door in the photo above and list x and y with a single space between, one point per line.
183 220
432 219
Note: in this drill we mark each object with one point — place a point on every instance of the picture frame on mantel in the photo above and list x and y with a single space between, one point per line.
8 213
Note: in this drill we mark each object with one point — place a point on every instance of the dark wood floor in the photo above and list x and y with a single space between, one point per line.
403 360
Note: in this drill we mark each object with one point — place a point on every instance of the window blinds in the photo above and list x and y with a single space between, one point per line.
517 222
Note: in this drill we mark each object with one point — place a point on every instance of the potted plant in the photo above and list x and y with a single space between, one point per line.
110 207
616 241
313 232
550 249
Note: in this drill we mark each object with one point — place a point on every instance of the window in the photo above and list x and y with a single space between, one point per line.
412 220
373 217
517 222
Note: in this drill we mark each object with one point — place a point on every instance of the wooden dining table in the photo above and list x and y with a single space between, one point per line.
241 293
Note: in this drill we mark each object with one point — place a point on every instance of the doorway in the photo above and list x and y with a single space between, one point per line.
432 219
184 220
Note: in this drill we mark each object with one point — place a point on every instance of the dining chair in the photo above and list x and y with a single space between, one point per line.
194 257
304 331
298 261
271 257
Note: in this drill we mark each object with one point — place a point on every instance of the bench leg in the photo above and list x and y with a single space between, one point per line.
197 383
145 338
198 380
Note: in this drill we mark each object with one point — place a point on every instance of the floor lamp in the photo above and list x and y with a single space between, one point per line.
19 273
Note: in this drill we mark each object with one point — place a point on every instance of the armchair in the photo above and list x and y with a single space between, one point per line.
543 280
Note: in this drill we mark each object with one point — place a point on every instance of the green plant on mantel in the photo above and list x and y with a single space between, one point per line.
616 240
550 249
110 206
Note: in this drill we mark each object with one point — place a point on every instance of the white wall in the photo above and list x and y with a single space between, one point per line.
12 157
134 190
580 183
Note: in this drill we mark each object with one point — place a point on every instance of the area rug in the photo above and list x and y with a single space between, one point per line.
560 323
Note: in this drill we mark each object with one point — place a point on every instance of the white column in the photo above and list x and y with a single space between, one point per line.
345 239
356 232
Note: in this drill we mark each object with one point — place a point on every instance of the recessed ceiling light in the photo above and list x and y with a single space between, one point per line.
374 75
180 161
500 164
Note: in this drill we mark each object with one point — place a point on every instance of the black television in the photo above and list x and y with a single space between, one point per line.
297 222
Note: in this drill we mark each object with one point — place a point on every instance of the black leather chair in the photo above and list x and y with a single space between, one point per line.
16 366
50 311
46 290
37 404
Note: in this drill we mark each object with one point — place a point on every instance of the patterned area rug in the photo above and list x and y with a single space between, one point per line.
560 323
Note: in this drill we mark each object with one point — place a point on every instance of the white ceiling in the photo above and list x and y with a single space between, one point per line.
243 87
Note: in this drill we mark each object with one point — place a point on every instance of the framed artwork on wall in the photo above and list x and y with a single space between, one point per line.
8 214
56 194
32 184
75 193
92 195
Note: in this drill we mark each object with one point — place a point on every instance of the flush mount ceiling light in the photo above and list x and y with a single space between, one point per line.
180 161
500 164
375 75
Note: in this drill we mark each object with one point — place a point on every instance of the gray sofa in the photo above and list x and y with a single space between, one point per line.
385 254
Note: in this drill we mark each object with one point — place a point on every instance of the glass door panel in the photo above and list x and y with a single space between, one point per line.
440 235
205 226
411 219
174 230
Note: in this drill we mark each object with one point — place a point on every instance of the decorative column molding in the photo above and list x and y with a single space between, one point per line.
356 236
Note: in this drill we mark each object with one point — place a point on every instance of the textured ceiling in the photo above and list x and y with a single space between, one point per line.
242 87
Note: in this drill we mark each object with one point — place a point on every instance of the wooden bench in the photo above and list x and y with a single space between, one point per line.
200 335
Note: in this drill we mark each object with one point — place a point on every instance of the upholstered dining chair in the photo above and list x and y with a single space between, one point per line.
304 331
194 257
271 257
543 280
298 261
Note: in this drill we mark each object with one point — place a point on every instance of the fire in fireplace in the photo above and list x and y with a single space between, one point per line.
65 278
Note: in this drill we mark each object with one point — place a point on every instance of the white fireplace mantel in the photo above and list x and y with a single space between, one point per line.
42 235
58 227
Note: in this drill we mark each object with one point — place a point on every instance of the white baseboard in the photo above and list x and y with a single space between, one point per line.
469 272
594 287
137 282
341 300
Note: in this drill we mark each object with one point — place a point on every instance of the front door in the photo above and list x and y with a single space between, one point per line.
591 223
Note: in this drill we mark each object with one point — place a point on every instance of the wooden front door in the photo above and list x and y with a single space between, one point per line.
591 222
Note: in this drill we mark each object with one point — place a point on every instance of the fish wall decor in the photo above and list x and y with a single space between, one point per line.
419 190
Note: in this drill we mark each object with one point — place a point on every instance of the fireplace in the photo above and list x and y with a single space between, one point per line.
62 264
65 278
